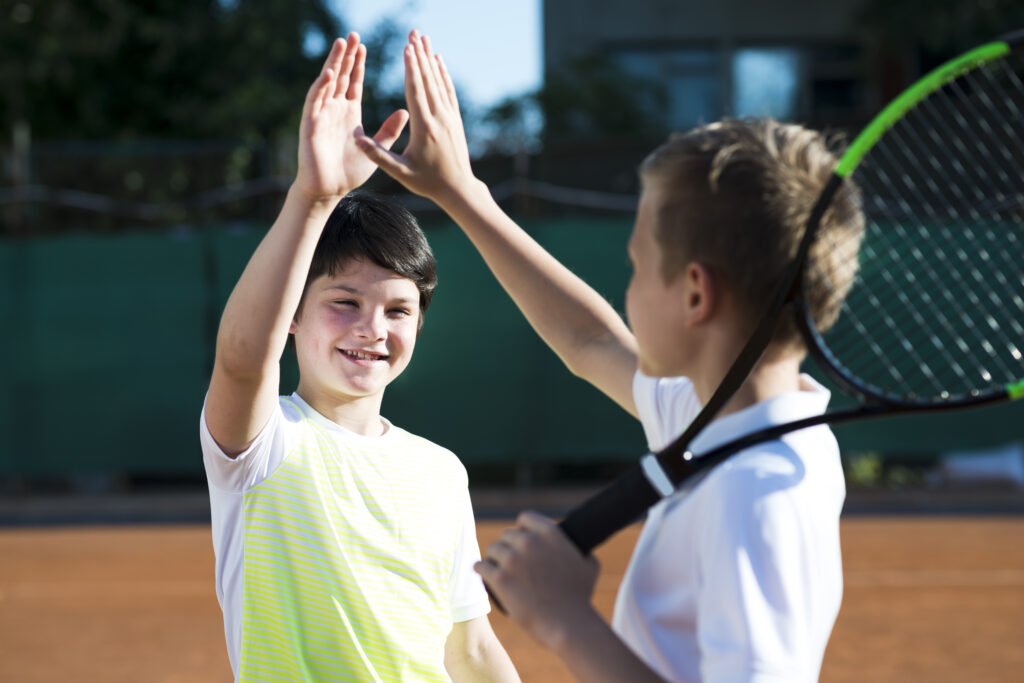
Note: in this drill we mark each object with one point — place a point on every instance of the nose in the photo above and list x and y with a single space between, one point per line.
372 325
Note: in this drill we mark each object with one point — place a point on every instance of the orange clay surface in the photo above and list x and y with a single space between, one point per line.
927 599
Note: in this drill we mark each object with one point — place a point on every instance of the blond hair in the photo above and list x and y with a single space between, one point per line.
736 197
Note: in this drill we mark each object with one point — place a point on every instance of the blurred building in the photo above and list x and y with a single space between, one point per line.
791 59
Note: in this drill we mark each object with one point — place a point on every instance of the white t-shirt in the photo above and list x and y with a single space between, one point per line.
738 576
340 556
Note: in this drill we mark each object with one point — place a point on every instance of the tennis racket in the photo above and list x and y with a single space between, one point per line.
935 317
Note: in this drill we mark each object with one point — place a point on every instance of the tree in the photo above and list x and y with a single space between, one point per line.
116 69
941 28
904 39
595 98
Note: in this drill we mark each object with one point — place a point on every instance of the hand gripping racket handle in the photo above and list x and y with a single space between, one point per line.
615 507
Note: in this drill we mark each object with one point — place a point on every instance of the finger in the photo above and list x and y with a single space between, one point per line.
391 128
315 95
415 97
532 521
449 85
333 59
355 88
490 573
502 551
437 82
430 89
347 61
389 162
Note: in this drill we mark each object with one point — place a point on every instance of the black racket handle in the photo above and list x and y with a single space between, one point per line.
612 509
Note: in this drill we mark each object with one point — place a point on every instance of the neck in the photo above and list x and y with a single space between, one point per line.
775 373
360 414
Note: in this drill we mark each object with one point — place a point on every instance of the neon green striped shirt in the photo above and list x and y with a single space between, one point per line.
340 557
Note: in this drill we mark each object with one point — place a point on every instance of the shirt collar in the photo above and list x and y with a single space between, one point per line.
809 400
323 421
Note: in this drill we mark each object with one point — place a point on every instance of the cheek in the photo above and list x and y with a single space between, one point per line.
403 337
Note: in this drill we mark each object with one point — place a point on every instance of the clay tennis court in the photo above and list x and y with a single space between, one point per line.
927 599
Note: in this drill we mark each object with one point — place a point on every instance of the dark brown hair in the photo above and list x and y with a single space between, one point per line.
381 231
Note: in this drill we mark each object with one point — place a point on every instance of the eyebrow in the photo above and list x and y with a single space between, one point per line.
344 288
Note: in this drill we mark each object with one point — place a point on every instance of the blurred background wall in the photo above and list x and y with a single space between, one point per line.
145 149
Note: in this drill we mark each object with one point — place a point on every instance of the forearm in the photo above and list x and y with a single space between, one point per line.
473 654
593 653
489 667
254 325
573 319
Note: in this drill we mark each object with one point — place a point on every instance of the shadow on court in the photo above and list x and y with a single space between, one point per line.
927 599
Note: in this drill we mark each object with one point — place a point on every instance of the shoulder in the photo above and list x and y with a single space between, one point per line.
438 457
291 410
665 406
775 483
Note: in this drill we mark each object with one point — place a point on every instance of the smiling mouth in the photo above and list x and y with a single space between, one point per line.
363 355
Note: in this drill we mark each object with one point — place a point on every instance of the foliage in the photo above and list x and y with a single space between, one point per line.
943 26
123 70
594 98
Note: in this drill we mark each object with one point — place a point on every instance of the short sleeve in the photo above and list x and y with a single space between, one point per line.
252 465
468 596
666 405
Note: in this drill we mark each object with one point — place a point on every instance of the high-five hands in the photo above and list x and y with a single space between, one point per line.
330 165
435 163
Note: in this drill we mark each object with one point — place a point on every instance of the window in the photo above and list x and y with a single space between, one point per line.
766 82
690 78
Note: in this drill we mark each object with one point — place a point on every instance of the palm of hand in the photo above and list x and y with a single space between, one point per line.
329 162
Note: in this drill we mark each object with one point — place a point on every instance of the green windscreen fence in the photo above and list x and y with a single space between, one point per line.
107 345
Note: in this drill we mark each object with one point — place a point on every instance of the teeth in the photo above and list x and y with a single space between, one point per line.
363 356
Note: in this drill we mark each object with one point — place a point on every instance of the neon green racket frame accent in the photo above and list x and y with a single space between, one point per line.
1015 390
911 96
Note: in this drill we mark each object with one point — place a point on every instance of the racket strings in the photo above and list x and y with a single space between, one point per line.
884 263
942 322
954 210
937 307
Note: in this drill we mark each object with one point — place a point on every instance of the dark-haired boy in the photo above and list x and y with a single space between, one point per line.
345 545
736 577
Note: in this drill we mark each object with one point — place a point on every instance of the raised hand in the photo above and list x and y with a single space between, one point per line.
330 165
435 163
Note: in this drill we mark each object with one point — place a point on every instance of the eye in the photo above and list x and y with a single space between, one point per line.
400 312
345 302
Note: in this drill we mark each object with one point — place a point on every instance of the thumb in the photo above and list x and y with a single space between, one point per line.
386 160
392 128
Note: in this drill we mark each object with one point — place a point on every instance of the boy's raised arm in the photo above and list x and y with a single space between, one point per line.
574 320
257 317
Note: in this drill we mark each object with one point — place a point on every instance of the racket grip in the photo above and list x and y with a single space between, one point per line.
610 510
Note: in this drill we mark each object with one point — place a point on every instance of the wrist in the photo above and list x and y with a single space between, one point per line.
314 203
473 193
571 629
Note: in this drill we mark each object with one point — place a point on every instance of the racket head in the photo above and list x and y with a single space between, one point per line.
932 288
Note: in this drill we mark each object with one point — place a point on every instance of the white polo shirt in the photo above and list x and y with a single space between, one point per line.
738 576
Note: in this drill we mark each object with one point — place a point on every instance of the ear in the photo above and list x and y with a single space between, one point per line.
294 325
700 293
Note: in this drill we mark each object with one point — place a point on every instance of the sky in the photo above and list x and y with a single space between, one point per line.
492 47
